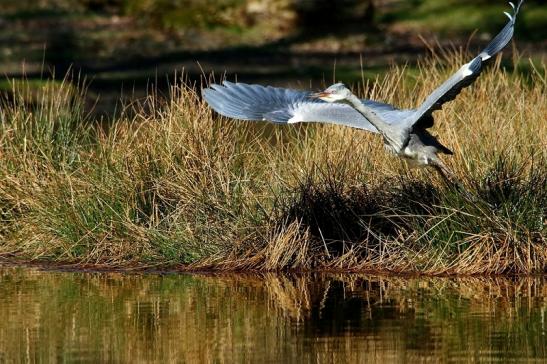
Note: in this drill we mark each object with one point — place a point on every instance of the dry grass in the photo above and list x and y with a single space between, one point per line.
174 184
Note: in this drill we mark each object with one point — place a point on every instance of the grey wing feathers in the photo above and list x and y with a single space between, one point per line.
280 105
465 75
449 89
253 102
504 36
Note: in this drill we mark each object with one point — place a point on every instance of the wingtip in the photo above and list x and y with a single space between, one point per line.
516 9
215 87
205 92
209 95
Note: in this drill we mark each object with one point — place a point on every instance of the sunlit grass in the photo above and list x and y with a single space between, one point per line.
171 183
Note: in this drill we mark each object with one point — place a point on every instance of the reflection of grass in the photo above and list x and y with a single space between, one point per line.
170 183
284 318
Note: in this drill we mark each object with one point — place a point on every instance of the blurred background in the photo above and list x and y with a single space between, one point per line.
125 48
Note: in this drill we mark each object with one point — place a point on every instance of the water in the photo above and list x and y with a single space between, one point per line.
110 317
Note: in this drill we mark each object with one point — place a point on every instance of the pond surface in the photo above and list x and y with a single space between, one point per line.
111 317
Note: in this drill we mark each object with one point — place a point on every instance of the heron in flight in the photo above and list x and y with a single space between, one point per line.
404 131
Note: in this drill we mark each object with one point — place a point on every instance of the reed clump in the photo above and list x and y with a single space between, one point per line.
172 184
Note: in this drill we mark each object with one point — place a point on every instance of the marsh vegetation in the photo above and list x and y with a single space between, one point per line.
170 184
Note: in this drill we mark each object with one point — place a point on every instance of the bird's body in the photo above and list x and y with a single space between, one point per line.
413 143
422 149
404 132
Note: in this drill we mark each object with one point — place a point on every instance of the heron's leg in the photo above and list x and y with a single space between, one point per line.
450 178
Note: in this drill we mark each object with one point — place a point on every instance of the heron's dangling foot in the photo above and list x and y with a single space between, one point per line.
451 180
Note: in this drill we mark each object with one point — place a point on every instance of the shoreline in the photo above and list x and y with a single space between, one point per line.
211 271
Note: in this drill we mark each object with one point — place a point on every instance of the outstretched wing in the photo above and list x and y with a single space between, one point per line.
465 75
280 105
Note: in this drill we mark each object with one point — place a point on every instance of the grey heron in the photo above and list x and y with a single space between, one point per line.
404 130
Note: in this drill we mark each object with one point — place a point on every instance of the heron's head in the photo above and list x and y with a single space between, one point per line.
335 93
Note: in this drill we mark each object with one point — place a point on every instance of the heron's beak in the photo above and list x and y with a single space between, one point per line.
319 95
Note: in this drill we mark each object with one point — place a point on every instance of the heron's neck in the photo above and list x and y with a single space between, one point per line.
370 115
395 138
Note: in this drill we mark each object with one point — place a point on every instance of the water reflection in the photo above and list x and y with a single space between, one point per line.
98 317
